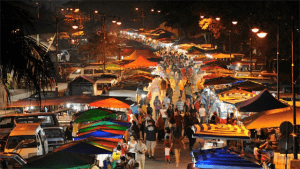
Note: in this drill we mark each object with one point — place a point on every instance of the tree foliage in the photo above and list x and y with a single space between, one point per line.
22 57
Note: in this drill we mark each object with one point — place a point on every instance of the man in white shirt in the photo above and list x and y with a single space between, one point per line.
202 113
166 101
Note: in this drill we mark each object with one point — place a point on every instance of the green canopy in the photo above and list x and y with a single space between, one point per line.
192 48
60 160
115 127
95 115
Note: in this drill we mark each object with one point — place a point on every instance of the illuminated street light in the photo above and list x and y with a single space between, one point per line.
75 26
152 10
159 11
218 18
262 34
62 9
96 12
71 9
234 22
136 9
202 16
114 20
255 30
119 22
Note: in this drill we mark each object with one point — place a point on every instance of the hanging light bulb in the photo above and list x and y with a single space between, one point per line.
262 34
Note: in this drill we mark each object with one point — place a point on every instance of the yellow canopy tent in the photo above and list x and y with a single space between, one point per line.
233 96
221 131
271 118
222 55
79 33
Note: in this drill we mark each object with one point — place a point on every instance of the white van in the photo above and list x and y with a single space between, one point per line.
89 71
105 82
28 140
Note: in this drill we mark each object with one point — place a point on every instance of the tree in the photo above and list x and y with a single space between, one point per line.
22 57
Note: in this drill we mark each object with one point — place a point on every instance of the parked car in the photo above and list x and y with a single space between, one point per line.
55 137
92 72
105 82
7 122
28 140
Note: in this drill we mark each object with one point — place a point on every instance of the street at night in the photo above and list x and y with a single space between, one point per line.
97 84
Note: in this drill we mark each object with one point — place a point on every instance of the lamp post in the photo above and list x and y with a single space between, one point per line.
234 22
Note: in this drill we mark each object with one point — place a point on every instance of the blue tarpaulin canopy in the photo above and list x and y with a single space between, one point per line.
99 133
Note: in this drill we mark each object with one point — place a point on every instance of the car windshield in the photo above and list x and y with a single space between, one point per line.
77 72
15 140
49 121
53 133
6 122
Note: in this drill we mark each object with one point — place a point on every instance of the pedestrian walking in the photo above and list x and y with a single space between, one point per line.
177 144
140 150
166 101
167 145
178 121
151 136
149 110
188 91
192 121
202 113
157 106
131 145
179 104
163 87
170 92
160 125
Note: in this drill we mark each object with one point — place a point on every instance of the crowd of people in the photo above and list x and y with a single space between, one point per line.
166 119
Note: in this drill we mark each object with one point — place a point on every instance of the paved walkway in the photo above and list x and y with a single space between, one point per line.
159 162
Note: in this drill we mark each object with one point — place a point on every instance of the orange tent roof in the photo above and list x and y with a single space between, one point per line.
109 103
146 53
140 62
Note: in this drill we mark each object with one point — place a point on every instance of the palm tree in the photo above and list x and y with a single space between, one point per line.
22 58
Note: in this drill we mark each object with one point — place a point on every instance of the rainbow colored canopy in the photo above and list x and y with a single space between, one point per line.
95 115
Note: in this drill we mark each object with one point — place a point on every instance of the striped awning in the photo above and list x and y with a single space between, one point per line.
234 96
221 131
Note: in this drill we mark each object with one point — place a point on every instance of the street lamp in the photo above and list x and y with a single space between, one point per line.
152 10
119 22
95 11
75 26
114 20
262 34
234 22
158 11
255 30
218 18
202 16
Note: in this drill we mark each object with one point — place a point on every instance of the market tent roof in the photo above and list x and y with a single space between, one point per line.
95 115
93 132
248 85
222 55
58 160
220 131
140 62
99 134
233 96
112 66
86 146
211 76
145 53
195 52
219 80
102 123
79 33
261 102
109 103
271 118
